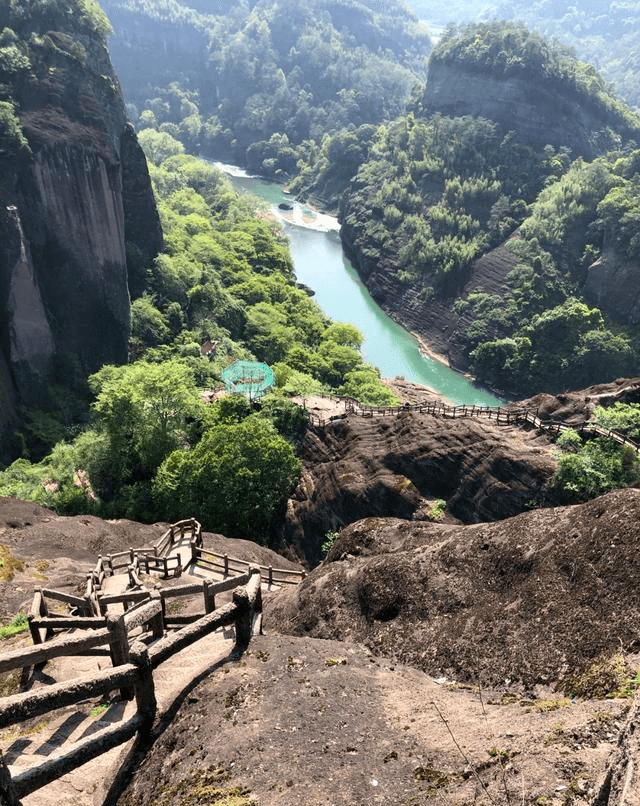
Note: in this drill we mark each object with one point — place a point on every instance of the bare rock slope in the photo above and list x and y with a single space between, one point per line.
538 598
397 466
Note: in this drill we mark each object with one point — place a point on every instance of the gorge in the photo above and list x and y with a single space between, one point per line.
321 264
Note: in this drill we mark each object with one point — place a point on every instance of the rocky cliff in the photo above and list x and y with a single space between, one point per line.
77 212
398 467
613 285
539 110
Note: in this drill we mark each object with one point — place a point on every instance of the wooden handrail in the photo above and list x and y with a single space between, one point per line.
136 675
501 414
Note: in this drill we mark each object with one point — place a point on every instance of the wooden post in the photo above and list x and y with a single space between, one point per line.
119 647
8 795
157 587
256 607
243 619
34 615
144 687
209 596
157 622
226 566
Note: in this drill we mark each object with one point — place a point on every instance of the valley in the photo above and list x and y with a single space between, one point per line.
467 627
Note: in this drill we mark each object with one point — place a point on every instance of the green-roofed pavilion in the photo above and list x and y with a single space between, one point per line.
250 378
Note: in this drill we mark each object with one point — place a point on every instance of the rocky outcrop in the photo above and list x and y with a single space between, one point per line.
613 285
398 466
159 50
537 598
78 213
539 110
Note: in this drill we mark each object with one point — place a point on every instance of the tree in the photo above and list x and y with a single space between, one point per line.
599 466
623 417
144 410
159 145
234 481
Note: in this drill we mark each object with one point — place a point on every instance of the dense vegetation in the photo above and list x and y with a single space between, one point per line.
430 195
592 468
540 334
153 448
605 33
276 77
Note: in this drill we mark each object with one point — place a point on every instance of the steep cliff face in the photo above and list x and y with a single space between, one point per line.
539 111
613 285
76 208
151 50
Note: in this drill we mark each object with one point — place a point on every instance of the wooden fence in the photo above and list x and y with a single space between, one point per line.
501 415
89 612
132 673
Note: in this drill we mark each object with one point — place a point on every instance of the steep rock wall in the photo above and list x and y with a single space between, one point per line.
538 111
613 285
80 221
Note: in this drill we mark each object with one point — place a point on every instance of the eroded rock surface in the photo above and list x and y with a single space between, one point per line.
536 598
397 466
307 721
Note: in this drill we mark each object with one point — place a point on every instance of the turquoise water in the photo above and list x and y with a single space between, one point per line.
320 264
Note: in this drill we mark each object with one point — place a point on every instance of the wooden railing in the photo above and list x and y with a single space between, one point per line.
501 415
89 612
132 674
224 564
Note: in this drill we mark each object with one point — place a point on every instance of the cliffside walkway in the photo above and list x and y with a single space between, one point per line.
501 415
150 643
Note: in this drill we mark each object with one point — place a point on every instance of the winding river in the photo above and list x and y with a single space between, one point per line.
320 264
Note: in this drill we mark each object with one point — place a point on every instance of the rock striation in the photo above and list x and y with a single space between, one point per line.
399 466
77 212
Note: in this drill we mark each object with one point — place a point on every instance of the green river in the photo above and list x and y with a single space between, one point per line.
320 264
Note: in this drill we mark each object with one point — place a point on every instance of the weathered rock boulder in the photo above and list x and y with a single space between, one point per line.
537 598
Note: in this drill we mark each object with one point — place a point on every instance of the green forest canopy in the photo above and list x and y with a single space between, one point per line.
276 77
225 277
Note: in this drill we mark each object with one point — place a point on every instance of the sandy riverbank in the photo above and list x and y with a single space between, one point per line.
429 352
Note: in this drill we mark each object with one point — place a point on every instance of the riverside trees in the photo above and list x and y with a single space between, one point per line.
153 449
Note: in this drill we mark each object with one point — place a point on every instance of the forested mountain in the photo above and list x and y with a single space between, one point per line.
489 209
262 83
605 33
437 191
